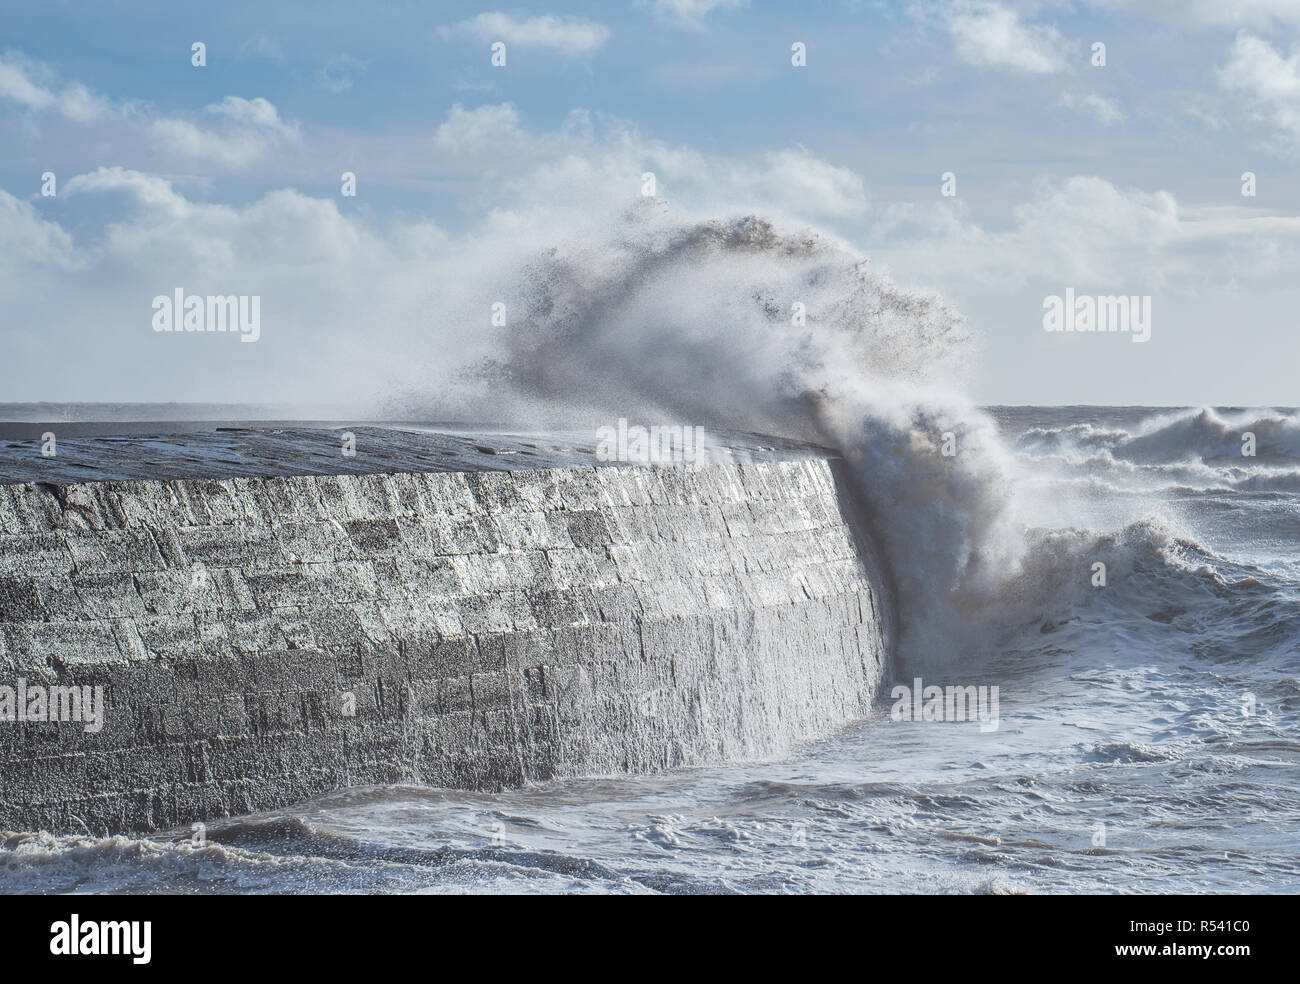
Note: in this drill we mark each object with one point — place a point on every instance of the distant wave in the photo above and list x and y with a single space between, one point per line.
1200 436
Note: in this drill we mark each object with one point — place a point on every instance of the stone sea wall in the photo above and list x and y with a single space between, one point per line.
260 640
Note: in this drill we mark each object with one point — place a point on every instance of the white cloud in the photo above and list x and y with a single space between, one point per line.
1211 13
341 297
691 13
256 128
1104 110
353 307
30 244
231 150
246 130
470 130
146 189
570 36
1090 233
803 182
256 112
604 158
990 35
323 270
31 84
17 85
1221 281
1090 230
1270 85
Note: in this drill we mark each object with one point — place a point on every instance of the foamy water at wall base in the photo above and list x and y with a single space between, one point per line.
270 620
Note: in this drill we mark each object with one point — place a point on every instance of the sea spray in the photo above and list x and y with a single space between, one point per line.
745 325
738 324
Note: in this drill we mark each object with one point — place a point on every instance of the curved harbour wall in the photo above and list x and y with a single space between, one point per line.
262 640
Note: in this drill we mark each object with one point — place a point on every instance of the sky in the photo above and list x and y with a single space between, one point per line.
1114 175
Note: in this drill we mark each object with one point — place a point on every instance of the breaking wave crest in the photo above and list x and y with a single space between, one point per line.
741 325
744 325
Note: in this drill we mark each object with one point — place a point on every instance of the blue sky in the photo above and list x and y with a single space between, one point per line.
1124 178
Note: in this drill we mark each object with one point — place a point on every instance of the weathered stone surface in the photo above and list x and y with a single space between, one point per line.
262 640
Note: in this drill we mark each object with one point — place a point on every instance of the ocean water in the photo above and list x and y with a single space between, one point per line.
1147 737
